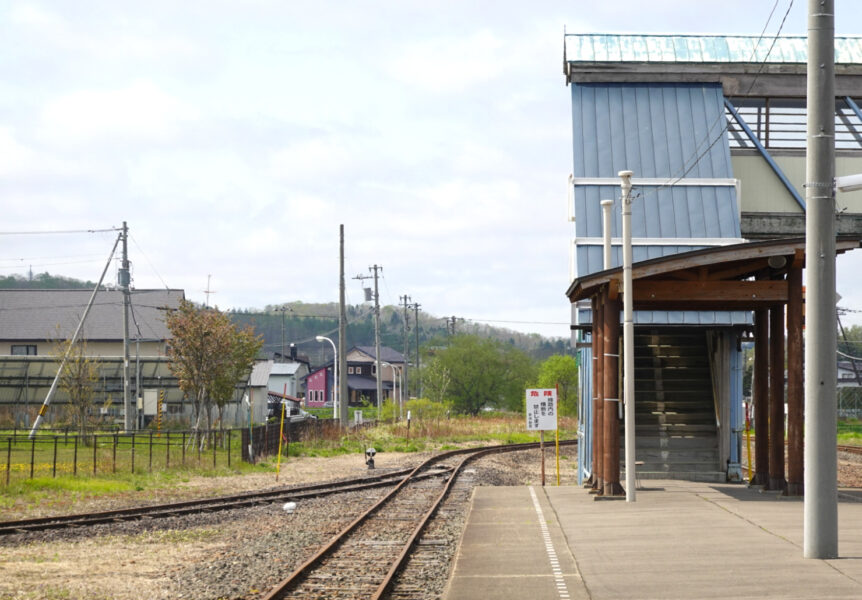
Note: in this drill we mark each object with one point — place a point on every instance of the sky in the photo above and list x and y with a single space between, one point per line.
234 138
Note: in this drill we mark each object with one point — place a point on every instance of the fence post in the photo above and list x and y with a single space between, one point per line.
54 467
168 451
95 457
151 452
229 432
198 444
133 452
8 459
214 448
114 458
32 455
75 457
184 448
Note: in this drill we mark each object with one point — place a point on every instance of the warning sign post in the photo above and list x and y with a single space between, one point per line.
542 417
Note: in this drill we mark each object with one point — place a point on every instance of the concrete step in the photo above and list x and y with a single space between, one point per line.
712 475
677 443
674 428
674 455
680 384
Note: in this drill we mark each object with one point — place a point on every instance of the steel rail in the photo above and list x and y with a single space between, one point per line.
286 585
202 505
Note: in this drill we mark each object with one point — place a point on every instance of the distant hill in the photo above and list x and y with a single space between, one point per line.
44 281
302 322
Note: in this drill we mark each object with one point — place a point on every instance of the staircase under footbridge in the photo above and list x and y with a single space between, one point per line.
675 409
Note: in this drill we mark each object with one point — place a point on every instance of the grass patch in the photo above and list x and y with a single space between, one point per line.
850 432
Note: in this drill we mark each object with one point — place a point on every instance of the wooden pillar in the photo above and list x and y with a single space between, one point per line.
795 389
594 467
776 398
611 361
761 397
598 432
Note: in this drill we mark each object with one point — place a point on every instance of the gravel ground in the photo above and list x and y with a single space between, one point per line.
239 554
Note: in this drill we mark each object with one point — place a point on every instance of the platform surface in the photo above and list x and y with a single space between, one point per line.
679 540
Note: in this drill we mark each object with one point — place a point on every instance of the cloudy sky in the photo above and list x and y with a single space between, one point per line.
234 137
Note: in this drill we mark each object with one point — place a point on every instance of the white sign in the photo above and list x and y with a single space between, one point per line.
541 409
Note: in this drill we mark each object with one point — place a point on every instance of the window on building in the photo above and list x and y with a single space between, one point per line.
350 370
374 369
23 349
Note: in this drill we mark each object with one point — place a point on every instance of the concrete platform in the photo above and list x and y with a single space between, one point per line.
679 540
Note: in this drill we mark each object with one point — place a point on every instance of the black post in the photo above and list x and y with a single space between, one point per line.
133 452
151 452
54 467
229 432
114 458
95 457
214 448
184 448
75 458
168 451
32 455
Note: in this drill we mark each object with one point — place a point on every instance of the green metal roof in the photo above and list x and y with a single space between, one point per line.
601 47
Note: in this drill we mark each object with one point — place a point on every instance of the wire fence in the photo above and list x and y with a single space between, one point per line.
850 402
53 455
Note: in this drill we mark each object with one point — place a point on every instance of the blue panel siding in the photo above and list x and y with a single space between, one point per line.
673 212
657 131
585 414
664 317
652 129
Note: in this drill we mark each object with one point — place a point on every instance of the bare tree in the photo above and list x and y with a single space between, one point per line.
78 378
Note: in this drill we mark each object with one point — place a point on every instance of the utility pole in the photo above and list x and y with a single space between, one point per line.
419 373
343 393
376 299
820 505
405 299
377 340
208 291
124 281
283 308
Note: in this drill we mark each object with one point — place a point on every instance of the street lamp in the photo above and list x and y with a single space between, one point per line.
321 338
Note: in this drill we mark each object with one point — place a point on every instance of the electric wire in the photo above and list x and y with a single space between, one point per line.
60 231
698 156
149 262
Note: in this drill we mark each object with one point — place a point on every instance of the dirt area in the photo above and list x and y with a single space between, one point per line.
214 555
295 471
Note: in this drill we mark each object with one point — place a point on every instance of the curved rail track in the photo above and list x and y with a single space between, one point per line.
206 505
850 449
362 560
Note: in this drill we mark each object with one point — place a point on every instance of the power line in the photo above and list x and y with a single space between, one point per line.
60 231
697 158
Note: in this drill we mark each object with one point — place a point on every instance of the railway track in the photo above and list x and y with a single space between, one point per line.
850 449
206 505
363 559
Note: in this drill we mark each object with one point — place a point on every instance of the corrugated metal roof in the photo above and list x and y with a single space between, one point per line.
601 47
260 374
36 314
284 368
657 131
